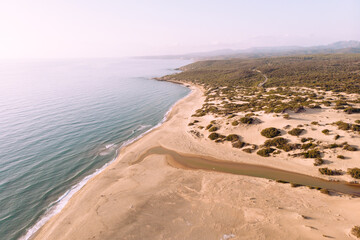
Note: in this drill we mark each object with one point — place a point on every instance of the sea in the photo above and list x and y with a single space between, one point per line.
62 121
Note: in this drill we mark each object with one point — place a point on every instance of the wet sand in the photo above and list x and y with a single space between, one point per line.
154 200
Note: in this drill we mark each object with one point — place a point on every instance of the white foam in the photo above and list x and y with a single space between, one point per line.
61 202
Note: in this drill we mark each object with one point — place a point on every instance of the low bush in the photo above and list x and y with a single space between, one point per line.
342 125
349 148
235 123
326 131
270 132
324 191
313 153
354 172
214 136
213 129
341 156
265 152
275 142
318 162
208 126
356 231
246 120
295 131
306 139
309 145
238 144
232 137
337 137
248 150
327 171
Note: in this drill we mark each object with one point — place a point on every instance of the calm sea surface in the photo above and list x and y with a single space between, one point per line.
62 121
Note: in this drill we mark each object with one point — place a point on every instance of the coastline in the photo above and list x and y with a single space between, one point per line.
58 205
94 205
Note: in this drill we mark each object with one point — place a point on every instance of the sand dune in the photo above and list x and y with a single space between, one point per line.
153 200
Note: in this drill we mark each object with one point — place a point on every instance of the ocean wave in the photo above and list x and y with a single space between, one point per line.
56 206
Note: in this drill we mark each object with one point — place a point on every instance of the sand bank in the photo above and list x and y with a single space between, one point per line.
153 200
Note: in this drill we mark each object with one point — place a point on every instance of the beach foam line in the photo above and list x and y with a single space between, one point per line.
56 206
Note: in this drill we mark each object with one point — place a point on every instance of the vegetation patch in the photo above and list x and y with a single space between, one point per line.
309 145
356 231
265 152
354 172
232 137
318 162
235 123
313 153
324 191
214 136
248 150
246 120
296 131
326 131
349 148
327 171
270 132
238 144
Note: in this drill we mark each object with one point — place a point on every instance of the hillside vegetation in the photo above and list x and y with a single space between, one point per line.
330 72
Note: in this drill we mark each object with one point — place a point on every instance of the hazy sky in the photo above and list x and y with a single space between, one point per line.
116 28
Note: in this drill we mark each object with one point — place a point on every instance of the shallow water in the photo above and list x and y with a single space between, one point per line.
61 120
216 165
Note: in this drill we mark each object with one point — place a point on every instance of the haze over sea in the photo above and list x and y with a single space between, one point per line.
63 120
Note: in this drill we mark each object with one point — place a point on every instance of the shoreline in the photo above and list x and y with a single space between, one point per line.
57 206
124 191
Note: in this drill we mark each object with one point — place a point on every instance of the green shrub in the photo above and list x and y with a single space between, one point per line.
355 128
326 131
354 172
232 137
246 120
306 146
282 181
248 150
294 185
313 153
327 171
324 191
265 152
295 131
318 162
306 139
356 231
270 132
286 116
342 125
337 137
235 123
238 144
341 156
275 142
213 129
349 148
214 136
208 126
314 123
333 145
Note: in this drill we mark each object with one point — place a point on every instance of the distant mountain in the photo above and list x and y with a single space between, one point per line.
257 52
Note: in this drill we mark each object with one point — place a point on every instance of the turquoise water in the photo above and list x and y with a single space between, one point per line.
61 121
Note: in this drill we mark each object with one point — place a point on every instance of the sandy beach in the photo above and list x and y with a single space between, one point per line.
156 199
